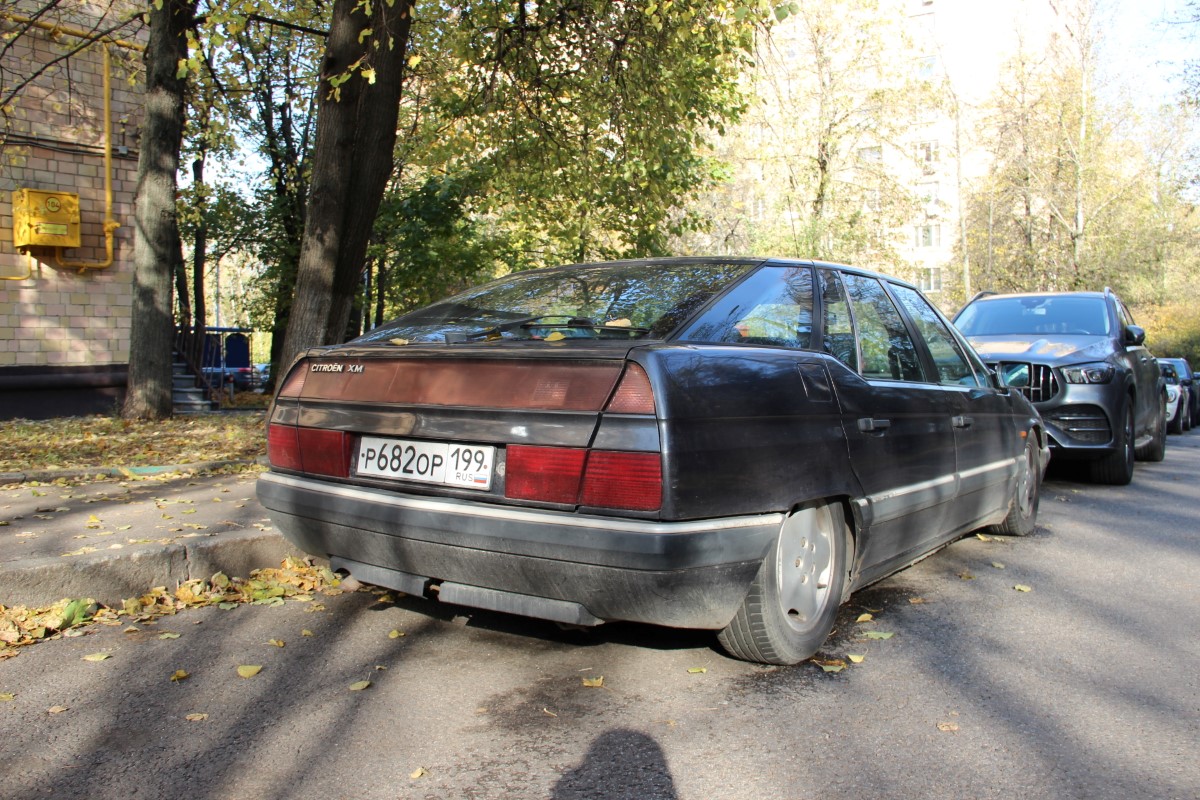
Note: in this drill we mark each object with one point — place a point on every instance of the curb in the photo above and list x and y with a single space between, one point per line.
110 579
50 475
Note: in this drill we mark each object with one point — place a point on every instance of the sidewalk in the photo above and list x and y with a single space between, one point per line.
110 540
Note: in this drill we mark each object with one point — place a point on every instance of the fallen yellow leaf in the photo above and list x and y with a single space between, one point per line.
697 670
419 772
983 537
947 726
56 709
916 601
855 659
358 686
394 634
179 675
864 618
997 565
6 697
878 635
594 682
276 642
249 671
97 657
168 635
306 632
196 717
1020 587
966 576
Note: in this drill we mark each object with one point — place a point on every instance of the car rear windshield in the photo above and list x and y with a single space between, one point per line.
1042 316
621 301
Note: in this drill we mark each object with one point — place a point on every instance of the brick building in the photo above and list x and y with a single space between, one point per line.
66 282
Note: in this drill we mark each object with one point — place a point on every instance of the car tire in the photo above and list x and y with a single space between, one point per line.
1178 422
1116 468
1155 450
1187 420
793 602
1022 513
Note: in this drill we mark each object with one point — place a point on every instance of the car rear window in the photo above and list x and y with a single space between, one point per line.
1039 315
623 301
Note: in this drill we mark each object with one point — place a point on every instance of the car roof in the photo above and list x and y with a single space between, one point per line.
753 261
983 297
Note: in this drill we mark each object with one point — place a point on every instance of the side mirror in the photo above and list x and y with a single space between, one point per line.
997 378
1135 335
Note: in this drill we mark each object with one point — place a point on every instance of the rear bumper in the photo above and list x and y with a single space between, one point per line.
545 564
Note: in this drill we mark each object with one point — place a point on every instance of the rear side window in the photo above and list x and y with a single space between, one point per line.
774 306
839 324
888 352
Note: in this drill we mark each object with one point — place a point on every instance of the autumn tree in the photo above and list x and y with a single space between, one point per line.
819 165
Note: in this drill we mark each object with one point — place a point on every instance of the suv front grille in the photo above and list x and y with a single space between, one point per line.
1084 424
1036 381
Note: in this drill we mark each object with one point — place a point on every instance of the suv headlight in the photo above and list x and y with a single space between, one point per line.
1172 393
1089 373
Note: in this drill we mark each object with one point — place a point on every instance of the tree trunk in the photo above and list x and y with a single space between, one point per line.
352 162
156 243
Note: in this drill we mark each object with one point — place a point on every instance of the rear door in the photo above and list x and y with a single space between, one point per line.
897 421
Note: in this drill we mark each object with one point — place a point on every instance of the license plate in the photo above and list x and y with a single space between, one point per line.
446 463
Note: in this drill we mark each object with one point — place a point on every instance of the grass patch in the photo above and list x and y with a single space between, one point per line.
80 442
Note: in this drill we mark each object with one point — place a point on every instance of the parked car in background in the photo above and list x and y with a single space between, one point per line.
1179 414
243 379
1187 379
712 443
1084 364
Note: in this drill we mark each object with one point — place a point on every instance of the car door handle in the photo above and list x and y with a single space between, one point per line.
869 425
962 422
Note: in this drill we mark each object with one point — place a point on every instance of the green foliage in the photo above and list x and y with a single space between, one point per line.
428 245
1172 330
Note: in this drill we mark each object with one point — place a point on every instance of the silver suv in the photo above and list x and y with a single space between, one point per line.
1081 360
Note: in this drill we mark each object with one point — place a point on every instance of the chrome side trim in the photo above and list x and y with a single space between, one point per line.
520 515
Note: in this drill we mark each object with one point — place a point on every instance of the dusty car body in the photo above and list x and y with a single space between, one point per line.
724 444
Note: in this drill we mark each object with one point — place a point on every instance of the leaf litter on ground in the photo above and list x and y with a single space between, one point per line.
21 625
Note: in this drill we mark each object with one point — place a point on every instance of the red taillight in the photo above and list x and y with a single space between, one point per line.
549 474
623 480
283 447
634 394
312 450
573 476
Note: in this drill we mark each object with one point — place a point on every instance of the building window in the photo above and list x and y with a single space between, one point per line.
930 279
870 154
927 68
929 236
927 156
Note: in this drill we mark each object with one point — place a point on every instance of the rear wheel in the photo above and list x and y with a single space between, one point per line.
1022 515
793 601
1178 423
1156 448
1116 468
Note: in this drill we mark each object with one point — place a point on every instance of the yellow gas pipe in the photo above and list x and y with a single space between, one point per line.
110 224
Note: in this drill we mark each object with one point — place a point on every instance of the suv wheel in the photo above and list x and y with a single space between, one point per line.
1116 468
1156 449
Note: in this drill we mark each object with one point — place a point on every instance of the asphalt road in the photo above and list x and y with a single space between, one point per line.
1085 686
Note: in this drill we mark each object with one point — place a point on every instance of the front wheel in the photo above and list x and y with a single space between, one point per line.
1022 514
793 601
1116 468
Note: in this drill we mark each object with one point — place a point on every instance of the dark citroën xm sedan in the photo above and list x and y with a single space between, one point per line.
728 444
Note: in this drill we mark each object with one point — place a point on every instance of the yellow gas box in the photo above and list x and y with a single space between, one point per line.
48 219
